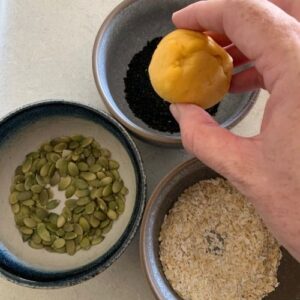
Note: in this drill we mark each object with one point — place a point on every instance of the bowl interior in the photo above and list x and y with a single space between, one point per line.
161 201
124 34
25 133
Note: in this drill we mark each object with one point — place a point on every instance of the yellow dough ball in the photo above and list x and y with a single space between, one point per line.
190 67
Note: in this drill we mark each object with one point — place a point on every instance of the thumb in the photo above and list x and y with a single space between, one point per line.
217 147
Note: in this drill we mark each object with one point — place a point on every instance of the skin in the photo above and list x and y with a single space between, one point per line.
266 167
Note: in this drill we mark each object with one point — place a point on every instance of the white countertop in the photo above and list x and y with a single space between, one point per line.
46 53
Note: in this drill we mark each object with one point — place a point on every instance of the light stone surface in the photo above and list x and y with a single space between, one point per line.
46 53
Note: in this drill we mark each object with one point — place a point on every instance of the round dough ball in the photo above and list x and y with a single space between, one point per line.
190 67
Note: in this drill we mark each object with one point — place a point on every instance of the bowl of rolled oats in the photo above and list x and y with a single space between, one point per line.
202 239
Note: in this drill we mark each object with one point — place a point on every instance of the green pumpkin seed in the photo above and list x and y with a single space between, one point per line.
89 208
23 196
103 161
84 224
88 176
96 152
43 232
26 230
117 186
29 222
90 160
77 138
94 222
40 180
86 142
36 188
55 179
120 205
15 208
64 183
27 165
51 227
73 169
82 166
112 214
95 183
82 193
60 147
19 179
70 236
78 151
124 191
70 247
109 198
107 190
34 245
19 171
67 213
60 232
44 170
98 232
20 187
97 240
13 198
100 215
102 204
25 237
101 175
68 227
112 205
66 154
70 191
113 165
51 171
28 202
61 250
83 201
78 229
53 218
105 152
59 243
44 197
79 209
85 243
106 229
52 204
106 181
116 174
41 213
81 184
95 168
36 238
61 220
73 145
71 203
96 193
104 223
62 166
53 157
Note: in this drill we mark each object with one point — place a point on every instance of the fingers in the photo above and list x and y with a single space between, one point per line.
221 39
247 80
257 29
215 146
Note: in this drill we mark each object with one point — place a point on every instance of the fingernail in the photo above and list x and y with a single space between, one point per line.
175 111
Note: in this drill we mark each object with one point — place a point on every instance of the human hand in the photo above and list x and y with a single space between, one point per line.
266 168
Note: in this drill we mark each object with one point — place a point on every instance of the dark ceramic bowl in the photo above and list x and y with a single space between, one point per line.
124 33
24 131
162 199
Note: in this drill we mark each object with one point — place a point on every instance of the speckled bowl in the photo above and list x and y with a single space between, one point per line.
24 131
124 33
162 199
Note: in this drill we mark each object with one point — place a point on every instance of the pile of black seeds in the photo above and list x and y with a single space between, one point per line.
141 97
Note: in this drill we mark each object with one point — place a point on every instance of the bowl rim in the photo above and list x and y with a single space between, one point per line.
142 247
87 273
137 130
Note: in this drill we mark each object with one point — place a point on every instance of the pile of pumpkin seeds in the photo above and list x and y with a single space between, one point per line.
94 192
